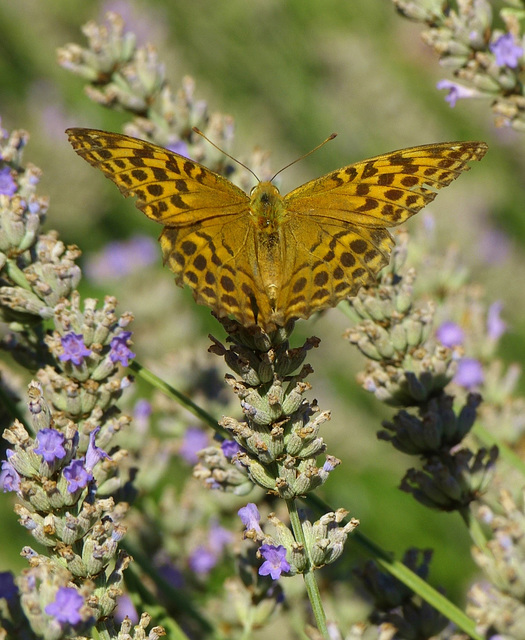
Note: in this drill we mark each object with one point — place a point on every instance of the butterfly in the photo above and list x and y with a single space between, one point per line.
265 258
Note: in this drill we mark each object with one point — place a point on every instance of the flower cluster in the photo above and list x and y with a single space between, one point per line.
487 60
125 76
57 465
409 368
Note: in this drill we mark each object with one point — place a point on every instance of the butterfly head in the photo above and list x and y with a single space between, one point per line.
266 205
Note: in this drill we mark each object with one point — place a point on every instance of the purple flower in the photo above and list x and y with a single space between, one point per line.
494 246
219 537
76 475
125 609
179 147
8 588
455 91
7 185
202 560
250 517
74 348
9 478
66 606
194 440
121 258
450 334
506 51
94 453
230 448
496 327
274 561
50 445
120 352
172 575
469 373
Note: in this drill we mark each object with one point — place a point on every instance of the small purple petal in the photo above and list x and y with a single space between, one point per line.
9 478
496 327
8 588
8 186
275 561
121 258
219 538
202 561
250 517
94 454
66 606
76 475
120 352
194 440
230 448
50 445
125 609
74 348
469 373
455 91
450 334
179 147
507 52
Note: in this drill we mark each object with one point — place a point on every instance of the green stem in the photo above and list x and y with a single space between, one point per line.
170 391
312 588
474 529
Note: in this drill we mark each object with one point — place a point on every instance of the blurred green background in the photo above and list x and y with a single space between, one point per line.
289 73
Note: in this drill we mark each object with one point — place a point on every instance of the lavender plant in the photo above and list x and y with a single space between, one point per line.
482 43
74 481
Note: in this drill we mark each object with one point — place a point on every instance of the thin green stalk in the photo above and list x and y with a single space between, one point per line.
312 588
474 528
182 399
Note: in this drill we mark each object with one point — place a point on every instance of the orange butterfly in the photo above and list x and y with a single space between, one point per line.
265 258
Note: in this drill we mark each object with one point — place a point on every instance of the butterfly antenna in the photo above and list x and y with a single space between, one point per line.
330 137
226 154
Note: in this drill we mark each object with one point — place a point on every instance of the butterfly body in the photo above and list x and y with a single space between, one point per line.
266 258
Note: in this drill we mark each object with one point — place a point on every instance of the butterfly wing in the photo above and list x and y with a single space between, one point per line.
207 239
338 223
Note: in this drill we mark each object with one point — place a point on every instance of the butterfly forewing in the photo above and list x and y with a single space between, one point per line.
170 188
386 190
331 240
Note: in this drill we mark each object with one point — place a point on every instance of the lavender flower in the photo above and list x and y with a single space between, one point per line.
8 588
450 334
469 373
506 51
120 352
496 327
179 147
66 606
94 454
275 561
50 445
74 348
230 448
8 186
455 91
121 258
194 440
250 517
125 608
76 475
9 478
219 537
202 560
